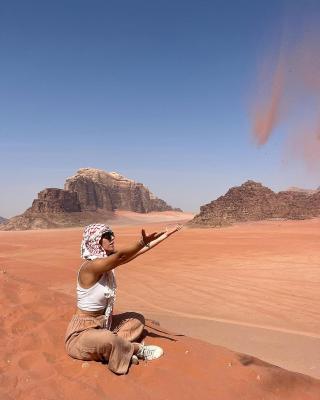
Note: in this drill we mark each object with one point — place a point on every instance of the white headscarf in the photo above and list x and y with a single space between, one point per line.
90 245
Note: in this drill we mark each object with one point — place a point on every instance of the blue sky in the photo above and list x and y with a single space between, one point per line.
159 91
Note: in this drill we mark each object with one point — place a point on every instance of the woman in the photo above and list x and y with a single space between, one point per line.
94 333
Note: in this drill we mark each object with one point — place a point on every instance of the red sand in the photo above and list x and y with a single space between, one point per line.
252 287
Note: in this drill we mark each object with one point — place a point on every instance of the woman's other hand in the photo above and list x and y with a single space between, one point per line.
149 238
170 230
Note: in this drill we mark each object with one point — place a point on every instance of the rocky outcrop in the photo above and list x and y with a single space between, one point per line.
98 189
254 202
2 220
53 220
55 201
90 196
53 208
297 189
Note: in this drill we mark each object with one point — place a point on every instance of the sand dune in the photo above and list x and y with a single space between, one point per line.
253 288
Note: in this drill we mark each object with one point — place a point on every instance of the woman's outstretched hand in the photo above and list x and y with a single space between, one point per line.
170 230
149 238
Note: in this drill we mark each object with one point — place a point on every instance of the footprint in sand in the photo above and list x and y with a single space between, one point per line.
50 357
36 365
22 326
8 382
32 341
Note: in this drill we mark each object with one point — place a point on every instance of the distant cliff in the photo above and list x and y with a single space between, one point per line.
254 202
2 220
55 201
91 195
97 189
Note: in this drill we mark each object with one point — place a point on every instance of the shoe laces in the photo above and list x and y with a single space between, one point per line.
147 351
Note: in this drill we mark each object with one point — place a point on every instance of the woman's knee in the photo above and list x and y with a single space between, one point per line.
132 326
137 323
133 318
140 318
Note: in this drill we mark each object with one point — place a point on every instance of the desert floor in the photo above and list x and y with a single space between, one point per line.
253 288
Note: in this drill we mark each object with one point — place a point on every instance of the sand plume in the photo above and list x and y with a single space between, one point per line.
267 112
304 145
307 61
291 96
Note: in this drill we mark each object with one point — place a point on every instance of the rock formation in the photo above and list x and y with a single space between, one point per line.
91 195
297 189
2 220
98 189
55 201
254 202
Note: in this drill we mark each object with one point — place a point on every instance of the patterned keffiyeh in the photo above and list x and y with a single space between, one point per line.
90 246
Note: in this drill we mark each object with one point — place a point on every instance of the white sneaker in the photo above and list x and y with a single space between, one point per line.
149 352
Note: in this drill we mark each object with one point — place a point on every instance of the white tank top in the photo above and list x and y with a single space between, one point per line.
98 297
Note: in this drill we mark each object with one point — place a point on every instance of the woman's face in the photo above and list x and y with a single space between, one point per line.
107 242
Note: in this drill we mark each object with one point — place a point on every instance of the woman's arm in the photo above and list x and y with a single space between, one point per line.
155 242
101 265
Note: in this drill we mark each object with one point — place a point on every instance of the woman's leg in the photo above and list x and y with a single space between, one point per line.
102 345
128 325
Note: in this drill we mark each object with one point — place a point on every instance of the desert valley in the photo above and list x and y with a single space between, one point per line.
218 300
190 125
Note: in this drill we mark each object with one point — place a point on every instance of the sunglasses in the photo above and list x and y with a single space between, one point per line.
108 235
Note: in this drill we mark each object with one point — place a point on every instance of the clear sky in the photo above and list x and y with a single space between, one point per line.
159 91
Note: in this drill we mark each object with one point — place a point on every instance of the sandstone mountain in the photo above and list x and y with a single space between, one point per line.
254 202
91 195
55 201
98 189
